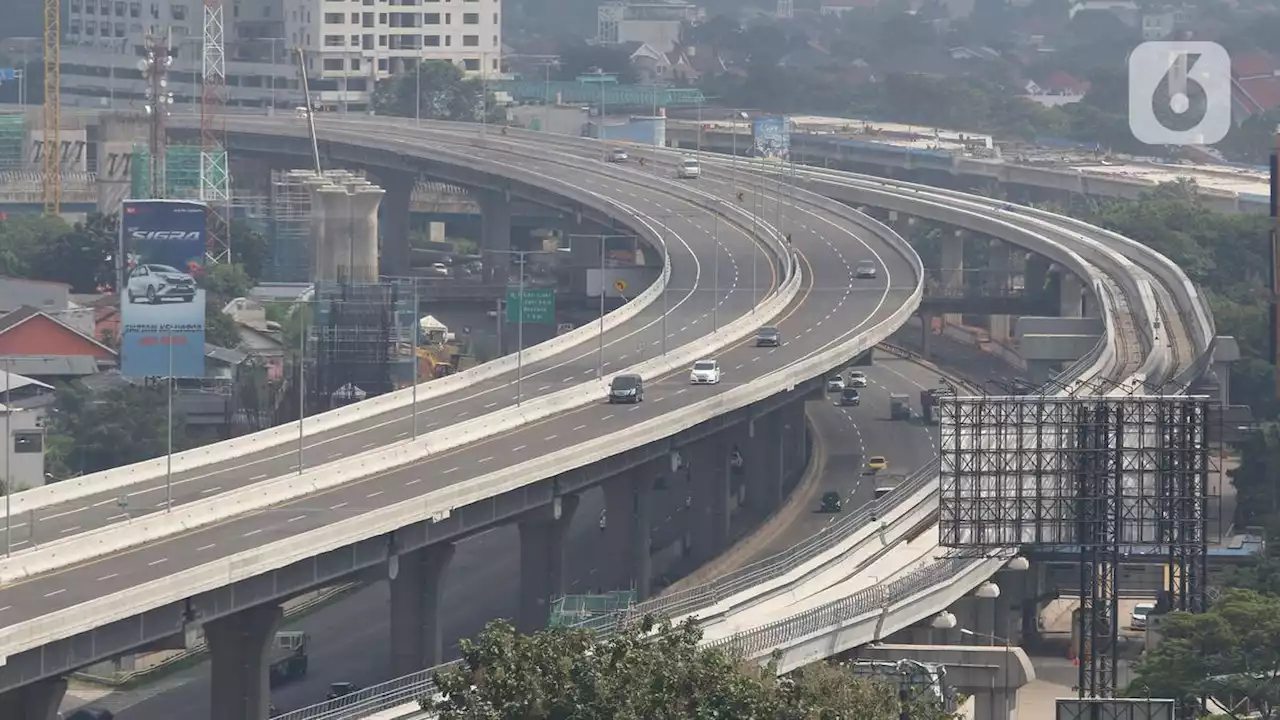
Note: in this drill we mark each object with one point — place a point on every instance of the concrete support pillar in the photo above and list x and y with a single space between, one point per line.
321 253
998 704
1036 274
762 448
396 206
239 646
711 482
953 269
926 334
1070 289
416 589
1000 282
364 236
628 502
495 232
37 701
542 557
794 449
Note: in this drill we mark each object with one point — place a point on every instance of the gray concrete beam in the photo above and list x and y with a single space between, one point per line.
37 701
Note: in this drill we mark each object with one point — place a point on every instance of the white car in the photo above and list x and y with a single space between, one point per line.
688 169
705 372
866 270
857 379
618 155
835 383
1138 618
154 284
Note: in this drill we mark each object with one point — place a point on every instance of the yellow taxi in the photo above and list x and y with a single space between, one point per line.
877 463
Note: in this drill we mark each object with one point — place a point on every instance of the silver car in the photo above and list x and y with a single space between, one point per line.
866 270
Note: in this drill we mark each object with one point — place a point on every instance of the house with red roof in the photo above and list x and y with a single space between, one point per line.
1255 84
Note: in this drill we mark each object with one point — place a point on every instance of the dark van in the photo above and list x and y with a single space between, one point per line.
626 389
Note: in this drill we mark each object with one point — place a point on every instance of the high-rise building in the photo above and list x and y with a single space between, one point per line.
348 45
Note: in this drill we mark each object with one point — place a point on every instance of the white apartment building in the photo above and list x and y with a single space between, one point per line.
657 24
348 46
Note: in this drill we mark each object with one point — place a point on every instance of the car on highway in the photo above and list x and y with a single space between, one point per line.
768 337
857 379
835 383
831 502
156 283
340 689
849 397
705 372
1141 611
866 270
876 463
626 389
618 155
688 169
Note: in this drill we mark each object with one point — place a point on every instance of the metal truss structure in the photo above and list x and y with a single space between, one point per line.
1106 474
215 174
51 141
355 330
1116 709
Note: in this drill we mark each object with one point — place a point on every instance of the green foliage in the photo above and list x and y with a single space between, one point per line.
564 674
435 90
89 432
43 248
219 328
227 281
1231 653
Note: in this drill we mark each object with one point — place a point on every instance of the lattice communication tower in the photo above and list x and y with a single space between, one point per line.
51 142
215 176
1105 475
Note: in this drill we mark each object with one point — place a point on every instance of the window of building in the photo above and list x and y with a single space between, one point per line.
121 7
355 41
368 20
471 18
90 8
366 42
179 12
470 41
155 11
75 6
28 441
355 18
333 41
355 64
333 18
106 30
448 40
135 9
471 64
104 7
333 63
495 41
382 64
430 18
73 27
382 18
90 29
119 28
493 64
382 41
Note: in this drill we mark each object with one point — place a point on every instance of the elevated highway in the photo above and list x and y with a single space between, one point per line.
1159 332
182 577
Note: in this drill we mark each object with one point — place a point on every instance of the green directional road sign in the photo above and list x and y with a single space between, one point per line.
539 305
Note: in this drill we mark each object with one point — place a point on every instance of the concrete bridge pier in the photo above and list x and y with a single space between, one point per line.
394 254
542 559
628 503
763 449
417 586
711 481
239 647
37 701
953 269
1071 291
795 443
495 234
1001 264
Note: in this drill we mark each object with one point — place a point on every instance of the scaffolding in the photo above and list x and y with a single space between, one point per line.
181 172
355 331
289 223
577 610
13 138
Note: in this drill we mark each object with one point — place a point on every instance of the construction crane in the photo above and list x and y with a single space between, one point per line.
215 174
51 142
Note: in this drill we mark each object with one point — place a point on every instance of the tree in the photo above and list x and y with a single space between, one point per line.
435 90
565 674
93 431
1231 652
219 328
83 257
227 281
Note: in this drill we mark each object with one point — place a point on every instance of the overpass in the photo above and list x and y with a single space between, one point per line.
789 375
1133 286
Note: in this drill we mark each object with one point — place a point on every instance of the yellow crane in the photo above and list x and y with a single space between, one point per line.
51 142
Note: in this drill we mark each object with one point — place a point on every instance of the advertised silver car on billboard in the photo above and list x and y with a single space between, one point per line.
154 284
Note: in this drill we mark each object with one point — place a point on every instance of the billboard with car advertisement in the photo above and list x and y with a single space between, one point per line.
161 302
771 137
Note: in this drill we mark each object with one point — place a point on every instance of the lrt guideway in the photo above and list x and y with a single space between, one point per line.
854 304
696 299
348 637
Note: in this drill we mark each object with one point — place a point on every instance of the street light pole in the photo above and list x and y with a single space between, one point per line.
417 81
665 310
168 469
415 328
521 254
302 383
8 449
715 275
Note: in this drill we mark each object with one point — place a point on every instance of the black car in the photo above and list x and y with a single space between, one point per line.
831 502
626 389
342 689
850 397
768 337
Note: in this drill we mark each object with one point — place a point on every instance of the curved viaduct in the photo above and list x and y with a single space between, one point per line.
225 558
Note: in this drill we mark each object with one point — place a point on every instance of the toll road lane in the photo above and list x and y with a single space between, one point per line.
698 299
863 302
